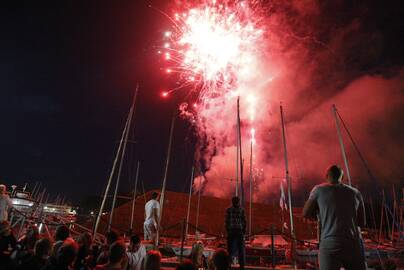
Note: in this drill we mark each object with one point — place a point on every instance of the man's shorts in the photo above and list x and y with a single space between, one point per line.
336 253
149 229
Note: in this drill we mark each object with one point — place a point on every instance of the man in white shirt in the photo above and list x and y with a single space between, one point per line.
5 203
136 253
151 224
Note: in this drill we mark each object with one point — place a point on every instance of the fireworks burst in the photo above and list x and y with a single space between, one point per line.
215 50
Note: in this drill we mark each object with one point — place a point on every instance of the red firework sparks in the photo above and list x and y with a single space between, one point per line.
215 49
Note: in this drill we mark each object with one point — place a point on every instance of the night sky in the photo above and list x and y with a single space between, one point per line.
68 72
68 75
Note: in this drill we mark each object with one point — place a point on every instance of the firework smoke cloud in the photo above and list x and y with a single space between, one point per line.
301 53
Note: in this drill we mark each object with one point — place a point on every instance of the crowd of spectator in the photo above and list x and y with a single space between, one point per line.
36 252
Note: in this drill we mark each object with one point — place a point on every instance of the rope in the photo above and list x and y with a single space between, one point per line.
205 232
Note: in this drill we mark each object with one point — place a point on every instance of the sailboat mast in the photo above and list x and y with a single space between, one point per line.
163 188
341 142
197 208
251 180
287 176
134 195
381 217
110 180
241 154
132 108
189 200
394 214
237 148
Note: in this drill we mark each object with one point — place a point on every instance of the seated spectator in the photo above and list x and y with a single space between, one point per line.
136 253
152 261
84 256
221 259
7 244
28 241
95 253
42 251
197 257
186 265
112 237
62 233
66 255
116 259
54 252
25 246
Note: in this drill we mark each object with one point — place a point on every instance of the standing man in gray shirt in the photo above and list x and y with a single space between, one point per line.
341 211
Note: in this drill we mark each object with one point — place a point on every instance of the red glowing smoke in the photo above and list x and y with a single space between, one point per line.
307 63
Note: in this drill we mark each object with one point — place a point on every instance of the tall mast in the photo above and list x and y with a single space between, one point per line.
394 214
134 195
163 188
334 110
110 179
237 149
251 180
132 108
198 205
381 217
287 176
189 200
241 154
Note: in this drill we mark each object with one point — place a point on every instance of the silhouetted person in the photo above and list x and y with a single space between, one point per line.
25 247
341 211
152 261
186 264
221 259
62 233
197 257
42 251
235 227
84 256
8 243
151 223
111 237
65 256
116 258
